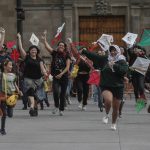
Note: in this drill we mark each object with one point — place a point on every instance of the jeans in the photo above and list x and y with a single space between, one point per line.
59 92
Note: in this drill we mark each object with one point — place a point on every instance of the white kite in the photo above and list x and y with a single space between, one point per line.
130 38
141 65
105 41
34 39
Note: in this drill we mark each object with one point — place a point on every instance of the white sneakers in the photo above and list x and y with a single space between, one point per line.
61 113
69 101
105 119
56 110
82 107
114 127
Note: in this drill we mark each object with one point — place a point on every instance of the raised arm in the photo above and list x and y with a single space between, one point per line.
47 46
2 32
22 51
73 48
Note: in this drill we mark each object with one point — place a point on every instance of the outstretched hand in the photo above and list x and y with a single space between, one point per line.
69 40
2 30
44 35
19 36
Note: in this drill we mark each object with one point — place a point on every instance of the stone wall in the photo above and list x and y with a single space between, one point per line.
50 14
8 18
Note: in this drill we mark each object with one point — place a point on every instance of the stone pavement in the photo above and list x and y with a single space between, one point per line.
76 130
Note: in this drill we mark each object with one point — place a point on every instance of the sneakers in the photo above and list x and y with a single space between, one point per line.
61 113
66 108
24 108
33 112
120 115
47 103
105 119
80 106
148 109
55 110
3 132
84 108
113 127
69 101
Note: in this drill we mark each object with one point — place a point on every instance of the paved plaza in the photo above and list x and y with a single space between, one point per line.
76 130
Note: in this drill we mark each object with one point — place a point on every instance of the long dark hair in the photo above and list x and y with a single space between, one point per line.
4 63
65 45
33 46
66 52
38 51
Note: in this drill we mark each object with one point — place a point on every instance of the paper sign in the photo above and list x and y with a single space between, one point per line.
34 40
141 65
105 41
130 38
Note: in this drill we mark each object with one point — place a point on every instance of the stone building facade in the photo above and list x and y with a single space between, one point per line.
50 14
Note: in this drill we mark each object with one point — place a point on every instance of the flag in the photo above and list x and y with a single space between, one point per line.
56 39
130 38
34 40
15 55
11 44
140 104
105 41
145 38
58 35
94 46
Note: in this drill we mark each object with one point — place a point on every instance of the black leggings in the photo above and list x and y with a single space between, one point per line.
4 113
138 84
82 88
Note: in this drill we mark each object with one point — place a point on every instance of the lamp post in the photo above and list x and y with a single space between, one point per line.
20 16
